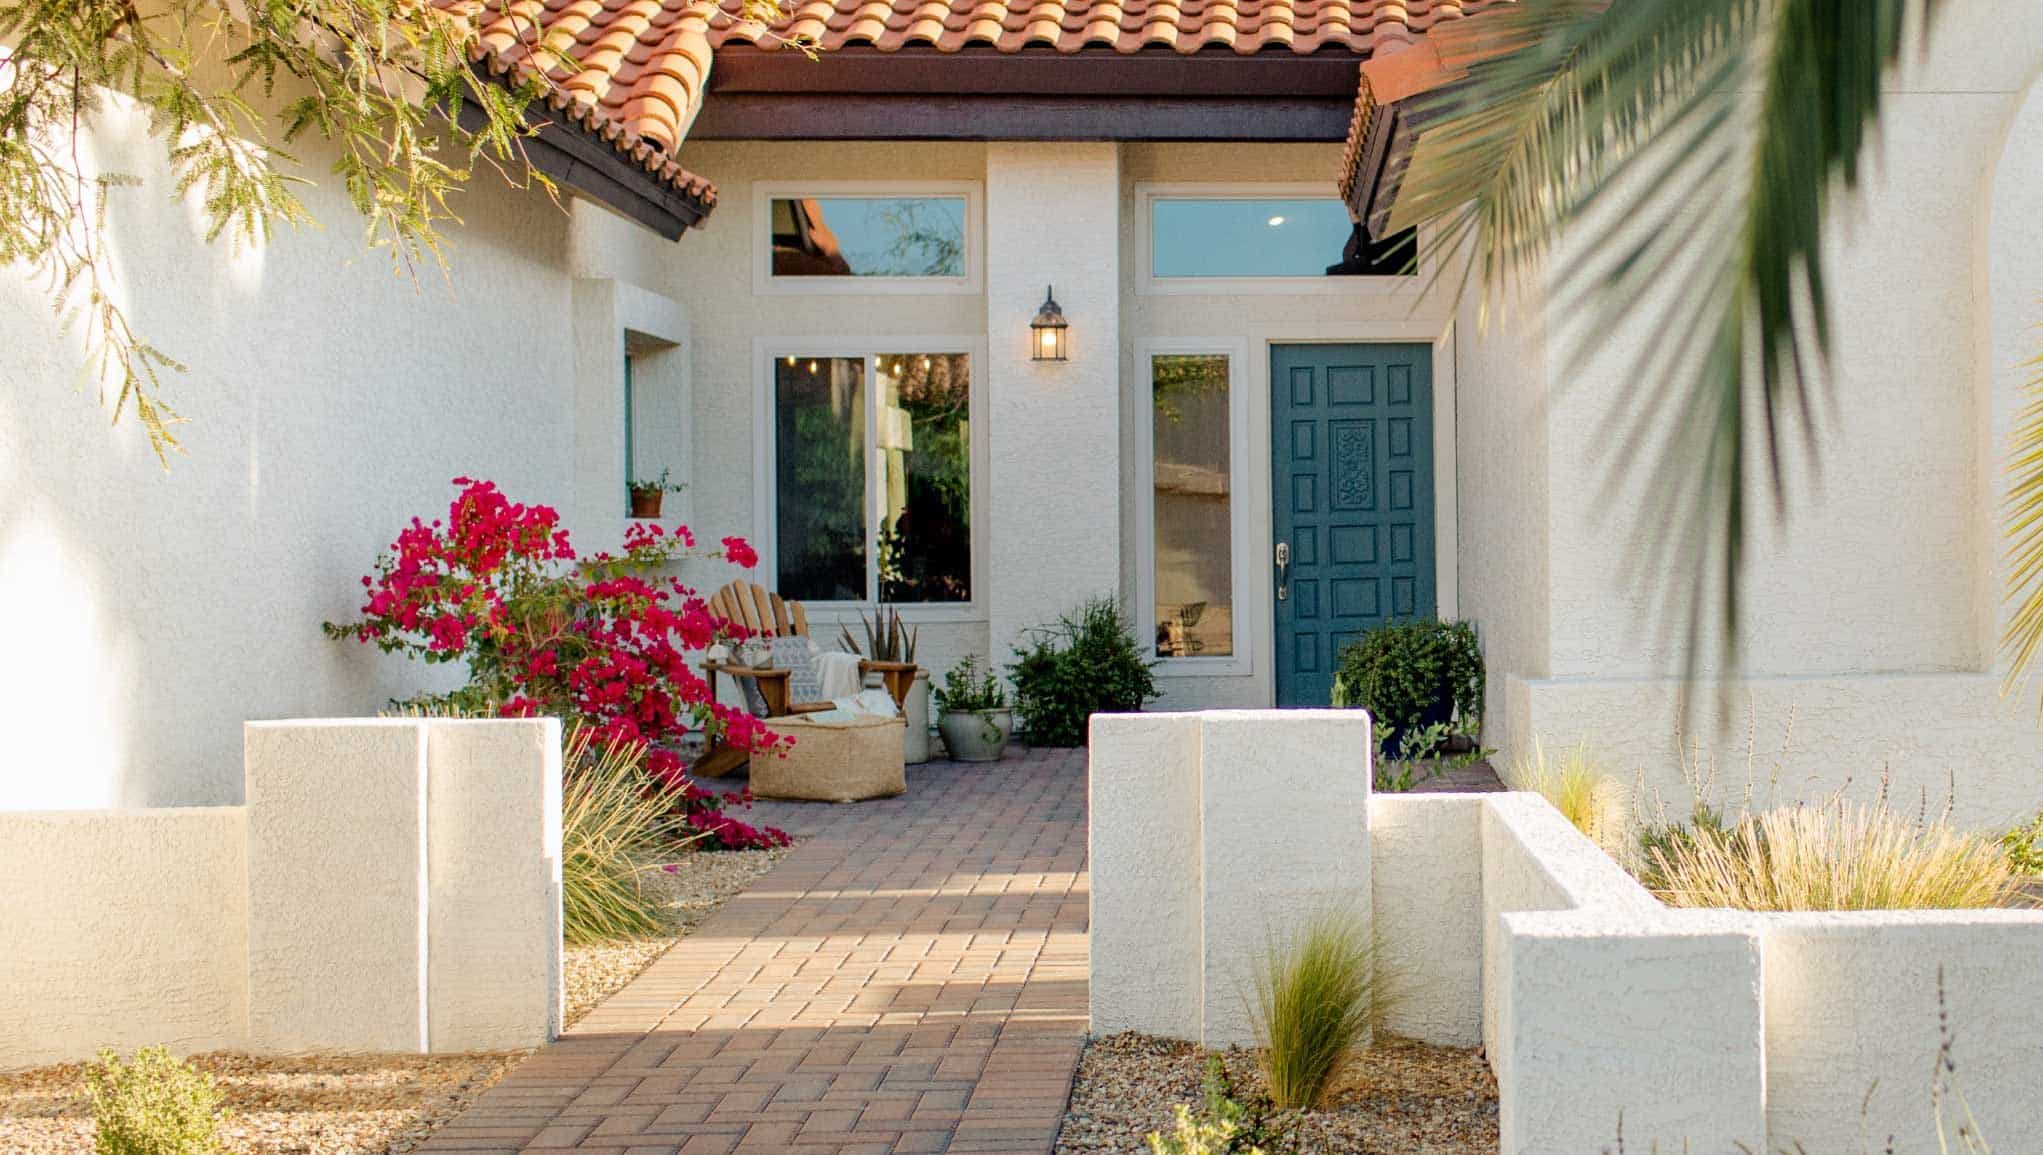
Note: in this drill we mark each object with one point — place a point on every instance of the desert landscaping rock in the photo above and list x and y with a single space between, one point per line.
1397 1098
307 1105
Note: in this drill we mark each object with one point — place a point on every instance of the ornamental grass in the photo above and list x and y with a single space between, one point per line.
1836 856
1590 799
1314 1002
617 822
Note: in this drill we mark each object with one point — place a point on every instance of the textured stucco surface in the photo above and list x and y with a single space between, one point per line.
1853 1025
1142 808
1426 875
327 402
1052 219
493 866
1216 836
1283 840
1612 1023
1927 738
337 885
123 930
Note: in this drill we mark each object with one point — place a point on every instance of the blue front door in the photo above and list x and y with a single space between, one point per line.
1351 485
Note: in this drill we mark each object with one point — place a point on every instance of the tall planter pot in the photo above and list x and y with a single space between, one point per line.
915 751
976 735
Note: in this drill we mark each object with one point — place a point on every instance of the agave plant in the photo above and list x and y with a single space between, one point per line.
1692 151
887 639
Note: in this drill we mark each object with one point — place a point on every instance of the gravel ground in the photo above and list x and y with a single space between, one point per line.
371 1104
314 1105
692 888
1397 1098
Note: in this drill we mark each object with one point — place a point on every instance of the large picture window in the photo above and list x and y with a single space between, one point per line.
873 477
1192 505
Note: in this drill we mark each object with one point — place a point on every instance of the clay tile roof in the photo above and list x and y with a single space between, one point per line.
644 64
1243 26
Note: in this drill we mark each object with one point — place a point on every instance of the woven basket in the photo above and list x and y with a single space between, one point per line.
841 763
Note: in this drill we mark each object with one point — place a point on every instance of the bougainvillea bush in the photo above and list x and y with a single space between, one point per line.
499 586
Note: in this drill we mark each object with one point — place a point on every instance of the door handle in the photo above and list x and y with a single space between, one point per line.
1283 570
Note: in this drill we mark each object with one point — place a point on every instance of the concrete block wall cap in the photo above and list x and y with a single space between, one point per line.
334 723
1565 856
122 812
1900 919
1669 925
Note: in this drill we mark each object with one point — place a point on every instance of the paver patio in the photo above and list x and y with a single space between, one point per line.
911 979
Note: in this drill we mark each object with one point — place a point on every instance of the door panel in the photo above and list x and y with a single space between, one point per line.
1351 458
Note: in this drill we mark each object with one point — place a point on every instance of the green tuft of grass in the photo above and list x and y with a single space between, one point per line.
616 824
1579 789
1314 1002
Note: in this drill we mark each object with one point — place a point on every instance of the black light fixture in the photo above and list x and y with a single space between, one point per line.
1048 331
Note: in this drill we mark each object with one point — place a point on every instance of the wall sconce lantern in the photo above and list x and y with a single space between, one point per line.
1047 333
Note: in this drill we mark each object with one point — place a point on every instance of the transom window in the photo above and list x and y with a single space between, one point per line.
867 237
873 476
1197 233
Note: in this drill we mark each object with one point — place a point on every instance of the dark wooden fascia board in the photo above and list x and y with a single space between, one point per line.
758 116
1095 71
579 159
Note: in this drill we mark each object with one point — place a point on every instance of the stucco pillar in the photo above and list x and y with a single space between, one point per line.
1053 500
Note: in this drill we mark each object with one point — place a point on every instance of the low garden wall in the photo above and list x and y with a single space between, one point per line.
1497 922
389 885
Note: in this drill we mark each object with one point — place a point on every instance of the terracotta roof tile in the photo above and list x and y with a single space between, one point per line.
1244 26
645 64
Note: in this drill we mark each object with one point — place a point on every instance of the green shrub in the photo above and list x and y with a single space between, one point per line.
152 1105
967 687
1087 662
1226 1126
615 824
1411 674
1313 1005
2024 845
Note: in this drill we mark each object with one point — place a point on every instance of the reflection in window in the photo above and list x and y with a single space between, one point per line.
1239 237
925 462
1194 529
819 441
867 236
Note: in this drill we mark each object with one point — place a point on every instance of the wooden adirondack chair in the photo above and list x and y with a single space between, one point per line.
760 611
768 615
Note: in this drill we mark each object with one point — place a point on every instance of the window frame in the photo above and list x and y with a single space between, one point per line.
1147 283
765 463
1240 522
764 282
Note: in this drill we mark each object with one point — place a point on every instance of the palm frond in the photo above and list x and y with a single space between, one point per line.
2022 637
1687 151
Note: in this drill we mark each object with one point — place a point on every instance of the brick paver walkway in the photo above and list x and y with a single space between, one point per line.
911 979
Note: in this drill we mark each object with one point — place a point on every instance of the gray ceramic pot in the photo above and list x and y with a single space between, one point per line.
976 735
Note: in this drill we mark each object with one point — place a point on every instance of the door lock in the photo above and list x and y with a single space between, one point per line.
1283 570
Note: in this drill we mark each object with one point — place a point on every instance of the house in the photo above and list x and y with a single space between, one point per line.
805 287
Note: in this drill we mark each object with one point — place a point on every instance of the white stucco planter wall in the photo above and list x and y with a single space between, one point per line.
1496 920
392 885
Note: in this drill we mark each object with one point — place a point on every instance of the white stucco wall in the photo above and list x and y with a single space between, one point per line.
1426 882
1872 608
391 885
123 930
327 402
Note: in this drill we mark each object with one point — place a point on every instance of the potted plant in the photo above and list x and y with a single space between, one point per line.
1415 677
976 721
647 495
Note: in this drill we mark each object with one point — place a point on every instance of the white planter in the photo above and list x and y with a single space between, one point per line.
915 747
976 735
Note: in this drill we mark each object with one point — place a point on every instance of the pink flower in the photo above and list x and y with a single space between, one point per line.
738 553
